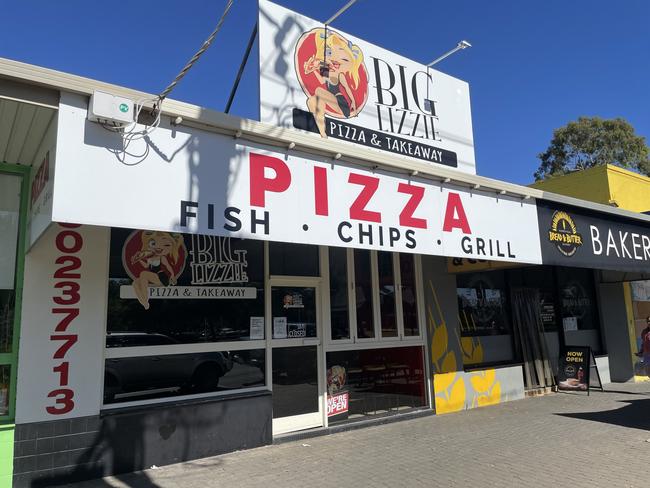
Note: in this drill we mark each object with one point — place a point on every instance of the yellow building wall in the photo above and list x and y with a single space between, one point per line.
605 184
590 184
629 190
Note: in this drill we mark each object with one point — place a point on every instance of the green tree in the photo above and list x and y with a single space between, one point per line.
592 141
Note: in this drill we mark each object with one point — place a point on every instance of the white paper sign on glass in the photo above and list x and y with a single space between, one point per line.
338 86
279 327
256 328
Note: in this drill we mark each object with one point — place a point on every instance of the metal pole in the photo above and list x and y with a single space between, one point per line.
241 68
461 45
334 17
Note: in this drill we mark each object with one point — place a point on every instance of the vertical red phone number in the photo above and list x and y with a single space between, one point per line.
66 296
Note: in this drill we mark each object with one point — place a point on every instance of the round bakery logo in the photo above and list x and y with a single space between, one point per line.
564 233
333 75
151 259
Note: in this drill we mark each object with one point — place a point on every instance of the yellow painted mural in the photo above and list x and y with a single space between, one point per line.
448 385
487 389
454 389
472 350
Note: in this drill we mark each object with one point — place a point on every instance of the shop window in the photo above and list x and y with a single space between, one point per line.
5 380
371 382
409 295
482 304
339 304
172 375
167 293
577 299
286 259
10 213
387 303
7 300
184 288
384 294
364 294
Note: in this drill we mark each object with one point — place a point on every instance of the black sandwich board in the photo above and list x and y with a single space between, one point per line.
577 369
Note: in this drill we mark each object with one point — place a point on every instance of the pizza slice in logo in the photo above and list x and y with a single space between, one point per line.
153 258
332 74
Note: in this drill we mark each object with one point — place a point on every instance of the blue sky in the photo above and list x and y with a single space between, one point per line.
534 65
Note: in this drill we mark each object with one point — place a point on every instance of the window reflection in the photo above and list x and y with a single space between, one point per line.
198 288
364 296
295 381
5 379
409 295
162 376
577 300
293 309
387 294
339 293
482 302
288 259
374 382
7 303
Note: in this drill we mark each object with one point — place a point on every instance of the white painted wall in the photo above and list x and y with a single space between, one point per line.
36 378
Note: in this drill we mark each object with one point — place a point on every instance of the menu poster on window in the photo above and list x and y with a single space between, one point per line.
573 371
279 327
257 328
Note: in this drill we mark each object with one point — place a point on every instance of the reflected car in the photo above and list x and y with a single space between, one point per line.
187 373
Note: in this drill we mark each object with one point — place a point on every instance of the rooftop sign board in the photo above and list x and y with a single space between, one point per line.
325 81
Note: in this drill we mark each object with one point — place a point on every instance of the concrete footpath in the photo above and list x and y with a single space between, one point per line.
563 439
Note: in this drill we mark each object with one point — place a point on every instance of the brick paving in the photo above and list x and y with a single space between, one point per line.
561 439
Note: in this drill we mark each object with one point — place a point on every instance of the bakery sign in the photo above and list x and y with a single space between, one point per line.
320 79
577 237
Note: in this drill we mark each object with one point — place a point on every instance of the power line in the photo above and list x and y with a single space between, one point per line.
194 58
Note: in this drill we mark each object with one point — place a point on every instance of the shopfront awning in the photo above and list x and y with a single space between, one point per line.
196 177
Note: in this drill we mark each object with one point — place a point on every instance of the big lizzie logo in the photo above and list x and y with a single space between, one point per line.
215 262
564 233
156 260
332 73
153 259
361 223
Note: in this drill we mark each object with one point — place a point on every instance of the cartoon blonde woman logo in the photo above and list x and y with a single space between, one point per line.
153 258
332 73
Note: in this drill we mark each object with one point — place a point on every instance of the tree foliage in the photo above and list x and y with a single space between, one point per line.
592 141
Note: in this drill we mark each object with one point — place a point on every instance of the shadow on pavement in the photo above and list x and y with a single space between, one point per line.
131 480
635 415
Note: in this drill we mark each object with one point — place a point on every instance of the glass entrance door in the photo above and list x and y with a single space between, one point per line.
296 356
